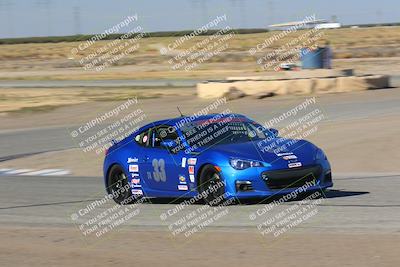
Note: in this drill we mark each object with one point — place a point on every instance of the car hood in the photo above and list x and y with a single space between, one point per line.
266 151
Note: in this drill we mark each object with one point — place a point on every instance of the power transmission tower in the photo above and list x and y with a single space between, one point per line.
77 19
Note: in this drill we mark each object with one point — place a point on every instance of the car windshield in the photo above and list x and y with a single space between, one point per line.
223 131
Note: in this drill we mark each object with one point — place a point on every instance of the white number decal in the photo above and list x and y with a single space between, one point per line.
159 170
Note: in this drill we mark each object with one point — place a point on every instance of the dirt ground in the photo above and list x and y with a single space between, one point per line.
31 100
62 247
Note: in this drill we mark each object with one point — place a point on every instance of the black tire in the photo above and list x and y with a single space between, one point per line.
118 186
211 186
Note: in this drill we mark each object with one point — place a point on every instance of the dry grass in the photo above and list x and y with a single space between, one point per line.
339 38
50 60
22 101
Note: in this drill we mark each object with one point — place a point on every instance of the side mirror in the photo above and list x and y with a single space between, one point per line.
168 144
273 131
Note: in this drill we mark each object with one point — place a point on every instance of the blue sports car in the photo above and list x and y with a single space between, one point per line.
216 156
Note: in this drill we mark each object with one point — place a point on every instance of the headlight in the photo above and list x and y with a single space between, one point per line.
320 155
241 164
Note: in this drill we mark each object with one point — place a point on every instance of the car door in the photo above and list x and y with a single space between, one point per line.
162 169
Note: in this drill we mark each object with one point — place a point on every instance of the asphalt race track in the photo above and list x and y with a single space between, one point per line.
359 203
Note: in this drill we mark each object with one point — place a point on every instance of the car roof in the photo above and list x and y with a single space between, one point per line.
173 121
193 118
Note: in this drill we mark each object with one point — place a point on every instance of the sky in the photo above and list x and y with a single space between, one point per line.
27 18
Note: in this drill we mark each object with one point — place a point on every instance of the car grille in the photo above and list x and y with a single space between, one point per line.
291 178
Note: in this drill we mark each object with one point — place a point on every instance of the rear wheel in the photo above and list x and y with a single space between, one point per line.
211 186
118 186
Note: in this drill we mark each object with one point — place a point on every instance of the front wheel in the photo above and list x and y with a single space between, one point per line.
212 187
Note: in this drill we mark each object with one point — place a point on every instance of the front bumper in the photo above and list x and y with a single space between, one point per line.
262 182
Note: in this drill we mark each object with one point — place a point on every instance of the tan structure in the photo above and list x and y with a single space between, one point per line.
325 85
356 83
292 86
299 86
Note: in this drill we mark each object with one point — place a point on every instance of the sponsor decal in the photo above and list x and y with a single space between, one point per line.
136 181
182 187
192 161
135 175
182 179
133 168
191 169
137 192
132 160
191 177
136 186
289 157
284 154
295 164
183 162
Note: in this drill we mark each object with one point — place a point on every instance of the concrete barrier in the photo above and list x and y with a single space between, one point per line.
359 83
212 89
256 87
325 85
299 86
217 89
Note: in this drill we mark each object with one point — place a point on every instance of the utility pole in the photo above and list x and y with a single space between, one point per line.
77 19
